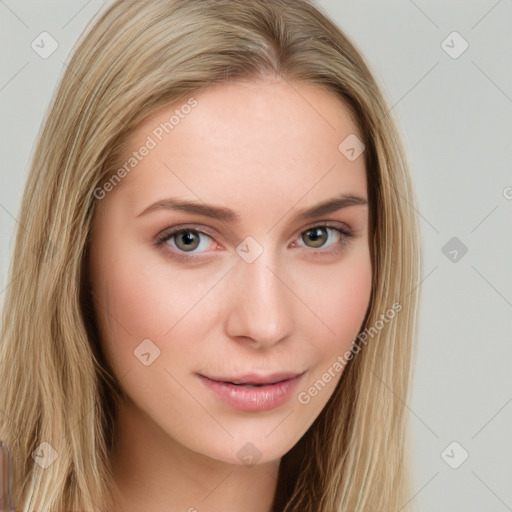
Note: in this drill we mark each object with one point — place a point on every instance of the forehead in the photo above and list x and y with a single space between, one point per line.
242 141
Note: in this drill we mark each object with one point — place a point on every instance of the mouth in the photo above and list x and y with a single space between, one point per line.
254 380
253 392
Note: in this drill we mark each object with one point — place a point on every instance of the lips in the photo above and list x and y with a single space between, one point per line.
253 392
256 380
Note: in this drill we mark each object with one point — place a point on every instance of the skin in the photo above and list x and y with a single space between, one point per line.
265 150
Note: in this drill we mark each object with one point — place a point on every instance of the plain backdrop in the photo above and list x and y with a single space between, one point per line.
452 96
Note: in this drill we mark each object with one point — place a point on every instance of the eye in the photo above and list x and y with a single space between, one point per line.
185 242
184 239
317 237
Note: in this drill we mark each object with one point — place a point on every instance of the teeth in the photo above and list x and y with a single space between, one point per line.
248 385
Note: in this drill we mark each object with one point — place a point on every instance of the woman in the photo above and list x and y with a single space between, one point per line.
213 297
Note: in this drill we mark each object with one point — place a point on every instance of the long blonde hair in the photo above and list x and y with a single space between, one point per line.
135 58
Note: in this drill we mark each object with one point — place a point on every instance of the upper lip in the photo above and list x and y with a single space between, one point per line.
257 378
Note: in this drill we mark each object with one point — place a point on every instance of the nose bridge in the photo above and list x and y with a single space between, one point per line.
262 306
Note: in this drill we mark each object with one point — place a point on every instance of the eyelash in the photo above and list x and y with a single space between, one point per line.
345 241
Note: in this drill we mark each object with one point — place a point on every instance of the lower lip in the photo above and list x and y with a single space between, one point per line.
261 398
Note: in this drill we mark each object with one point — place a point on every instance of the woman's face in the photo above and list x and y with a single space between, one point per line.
252 290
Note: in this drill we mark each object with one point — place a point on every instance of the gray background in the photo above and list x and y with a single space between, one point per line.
454 114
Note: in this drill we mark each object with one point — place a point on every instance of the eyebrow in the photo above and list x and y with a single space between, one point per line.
227 215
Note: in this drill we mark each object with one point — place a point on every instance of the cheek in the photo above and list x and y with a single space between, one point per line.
140 298
131 309
342 302
128 300
144 298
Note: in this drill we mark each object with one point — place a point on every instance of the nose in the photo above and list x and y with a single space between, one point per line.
261 307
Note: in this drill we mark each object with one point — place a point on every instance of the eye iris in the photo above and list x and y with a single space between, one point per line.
316 235
189 238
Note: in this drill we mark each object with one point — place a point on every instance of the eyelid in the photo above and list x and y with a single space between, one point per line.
172 230
334 224
345 231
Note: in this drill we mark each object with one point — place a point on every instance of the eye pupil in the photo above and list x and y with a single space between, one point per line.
316 235
189 238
